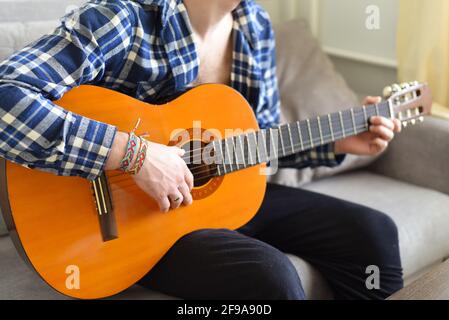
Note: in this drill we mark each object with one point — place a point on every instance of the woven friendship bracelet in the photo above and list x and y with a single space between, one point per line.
130 150
141 156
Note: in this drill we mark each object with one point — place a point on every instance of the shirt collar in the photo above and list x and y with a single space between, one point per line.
168 7
244 15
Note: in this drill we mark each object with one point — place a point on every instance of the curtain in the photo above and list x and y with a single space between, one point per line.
423 47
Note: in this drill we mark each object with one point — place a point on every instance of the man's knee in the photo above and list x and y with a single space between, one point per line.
263 272
378 246
276 278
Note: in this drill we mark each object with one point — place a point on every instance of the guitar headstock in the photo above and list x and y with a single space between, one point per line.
409 101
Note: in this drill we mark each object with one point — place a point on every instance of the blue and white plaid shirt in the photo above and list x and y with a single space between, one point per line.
143 48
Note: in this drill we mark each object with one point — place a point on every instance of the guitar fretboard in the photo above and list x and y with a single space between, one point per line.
250 149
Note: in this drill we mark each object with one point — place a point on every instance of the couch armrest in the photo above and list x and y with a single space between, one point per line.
419 155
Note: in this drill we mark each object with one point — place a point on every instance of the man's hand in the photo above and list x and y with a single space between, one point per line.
373 142
164 176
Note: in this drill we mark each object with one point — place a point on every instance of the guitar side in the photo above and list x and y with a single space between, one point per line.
55 219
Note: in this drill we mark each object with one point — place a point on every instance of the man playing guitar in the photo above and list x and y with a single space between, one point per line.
154 50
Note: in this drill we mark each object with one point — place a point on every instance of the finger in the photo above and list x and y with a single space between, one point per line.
381 121
372 100
184 189
176 199
397 125
164 204
189 179
379 145
180 152
382 132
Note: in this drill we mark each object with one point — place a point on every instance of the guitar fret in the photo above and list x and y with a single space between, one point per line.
229 155
291 137
250 155
353 121
298 124
329 118
377 110
282 142
264 138
310 133
365 116
217 159
222 157
235 153
320 130
242 150
342 124
272 142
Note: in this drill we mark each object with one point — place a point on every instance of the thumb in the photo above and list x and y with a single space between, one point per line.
180 152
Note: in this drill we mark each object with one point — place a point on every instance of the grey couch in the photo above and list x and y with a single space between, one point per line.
409 182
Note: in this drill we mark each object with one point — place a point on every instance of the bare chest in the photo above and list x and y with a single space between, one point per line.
215 61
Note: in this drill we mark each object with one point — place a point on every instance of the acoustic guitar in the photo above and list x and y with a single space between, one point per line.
94 239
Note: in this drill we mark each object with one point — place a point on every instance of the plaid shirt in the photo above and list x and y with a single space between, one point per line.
143 48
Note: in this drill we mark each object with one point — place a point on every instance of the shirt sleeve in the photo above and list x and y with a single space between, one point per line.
36 133
319 156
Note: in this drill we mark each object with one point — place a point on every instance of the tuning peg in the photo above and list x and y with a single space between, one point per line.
413 122
421 119
405 85
388 91
405 124
396 88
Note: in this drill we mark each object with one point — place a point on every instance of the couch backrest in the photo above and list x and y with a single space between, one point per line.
22 22
309 87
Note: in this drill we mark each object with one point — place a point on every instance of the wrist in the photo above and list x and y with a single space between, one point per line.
118 151
338 148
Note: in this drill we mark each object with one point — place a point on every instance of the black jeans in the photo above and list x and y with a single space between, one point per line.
341 239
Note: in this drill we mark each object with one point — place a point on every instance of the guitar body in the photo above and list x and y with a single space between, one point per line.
54 220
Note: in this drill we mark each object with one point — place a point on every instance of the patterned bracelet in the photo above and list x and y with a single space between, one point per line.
141 156
130 150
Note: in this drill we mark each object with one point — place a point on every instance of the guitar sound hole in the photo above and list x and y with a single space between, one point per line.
202 173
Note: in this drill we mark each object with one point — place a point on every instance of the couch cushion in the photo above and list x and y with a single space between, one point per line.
18 282
309 87
3 230
421 214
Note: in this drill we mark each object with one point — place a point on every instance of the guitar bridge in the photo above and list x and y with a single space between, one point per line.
105 210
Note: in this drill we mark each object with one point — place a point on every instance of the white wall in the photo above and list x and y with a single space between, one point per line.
281 10
366 58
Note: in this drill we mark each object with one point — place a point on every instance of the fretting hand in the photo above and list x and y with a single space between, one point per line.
373 142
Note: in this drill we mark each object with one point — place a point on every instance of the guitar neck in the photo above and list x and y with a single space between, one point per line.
243 151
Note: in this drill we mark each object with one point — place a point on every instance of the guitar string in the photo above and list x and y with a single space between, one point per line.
293 146
357 116
284 136
314 125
